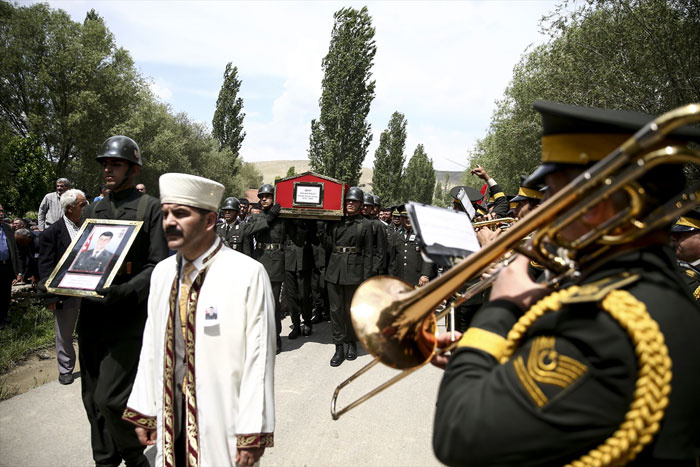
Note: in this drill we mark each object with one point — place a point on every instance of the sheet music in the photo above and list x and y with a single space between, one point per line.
443 227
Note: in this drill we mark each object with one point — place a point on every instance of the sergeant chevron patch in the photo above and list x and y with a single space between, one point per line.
546 366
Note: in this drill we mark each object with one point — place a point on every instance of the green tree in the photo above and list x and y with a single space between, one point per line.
627 54
250 176
340 137
419 181
227 124
291 171
63 82
28 175
389 159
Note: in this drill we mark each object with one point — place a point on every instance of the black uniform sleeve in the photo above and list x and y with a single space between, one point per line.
500 201
157 251
367 250
47 253
531 410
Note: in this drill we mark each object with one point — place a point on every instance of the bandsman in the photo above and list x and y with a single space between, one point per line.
577 378
685 235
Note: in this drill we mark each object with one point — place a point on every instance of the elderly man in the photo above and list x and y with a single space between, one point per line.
204 389
606 367
50 208
53 242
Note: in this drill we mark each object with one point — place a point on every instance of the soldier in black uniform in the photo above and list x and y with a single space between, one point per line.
269 233
395 224
380 264
231 231
298 264
350 243
573 373
406 260
685 235
110 329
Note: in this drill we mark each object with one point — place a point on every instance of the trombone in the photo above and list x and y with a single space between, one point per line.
396 324
503 223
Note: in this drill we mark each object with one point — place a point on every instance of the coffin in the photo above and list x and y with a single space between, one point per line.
310 196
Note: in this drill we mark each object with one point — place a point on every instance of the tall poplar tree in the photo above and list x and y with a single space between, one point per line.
340 137
419 181
389 159
227 124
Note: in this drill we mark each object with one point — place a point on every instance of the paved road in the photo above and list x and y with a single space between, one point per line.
47 425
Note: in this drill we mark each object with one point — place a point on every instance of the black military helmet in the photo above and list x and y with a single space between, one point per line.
354 193
377 201
120 147
266 189
232 203
367 199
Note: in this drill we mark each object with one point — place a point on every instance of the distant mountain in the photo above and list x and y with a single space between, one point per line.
272 169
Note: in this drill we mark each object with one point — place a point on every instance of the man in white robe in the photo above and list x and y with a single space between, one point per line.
204 391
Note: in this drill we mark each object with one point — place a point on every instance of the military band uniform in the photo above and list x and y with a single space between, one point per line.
109 334
351 260
691 275
576 368
232 236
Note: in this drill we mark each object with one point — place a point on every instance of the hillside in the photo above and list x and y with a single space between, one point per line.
272 169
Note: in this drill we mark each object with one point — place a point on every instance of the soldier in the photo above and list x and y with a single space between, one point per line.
350 243
527 199
298 263
244 215
385 215
408 264
110 330
380 247
568 379
685 235
231 231
319 292
269 233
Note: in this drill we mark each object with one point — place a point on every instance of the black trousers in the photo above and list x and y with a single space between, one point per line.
319 294
6 277
107 373
339 299
276 289
297 286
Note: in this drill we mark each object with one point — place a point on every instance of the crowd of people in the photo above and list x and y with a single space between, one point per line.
223 276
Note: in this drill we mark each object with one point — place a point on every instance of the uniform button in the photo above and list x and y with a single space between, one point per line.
404 264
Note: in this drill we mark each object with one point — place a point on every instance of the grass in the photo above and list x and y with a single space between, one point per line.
26 333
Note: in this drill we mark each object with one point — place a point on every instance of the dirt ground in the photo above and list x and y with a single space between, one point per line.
38 369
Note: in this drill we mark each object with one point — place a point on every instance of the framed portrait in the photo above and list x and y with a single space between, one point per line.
94 258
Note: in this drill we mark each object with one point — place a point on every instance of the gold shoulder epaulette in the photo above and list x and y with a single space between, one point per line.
691 273
596 291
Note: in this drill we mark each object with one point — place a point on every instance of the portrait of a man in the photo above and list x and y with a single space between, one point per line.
95 259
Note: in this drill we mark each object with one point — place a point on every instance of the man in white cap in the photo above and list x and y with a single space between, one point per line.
198 314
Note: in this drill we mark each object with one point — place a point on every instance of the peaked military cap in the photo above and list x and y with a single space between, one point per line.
689 222
473 194
575 136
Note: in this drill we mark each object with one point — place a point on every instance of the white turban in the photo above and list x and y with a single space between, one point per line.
190 190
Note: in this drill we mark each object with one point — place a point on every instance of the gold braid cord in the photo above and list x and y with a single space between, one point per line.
653 384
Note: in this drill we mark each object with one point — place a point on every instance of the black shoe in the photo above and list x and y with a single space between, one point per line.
352 351
65 379
296 332
338 356
279 345
316 318
306 330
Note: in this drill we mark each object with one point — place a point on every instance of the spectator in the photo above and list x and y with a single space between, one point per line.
103 192
50 208
53 243
8 267
17 224
141 187
28 252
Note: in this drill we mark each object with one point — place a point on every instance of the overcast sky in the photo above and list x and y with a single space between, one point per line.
443 65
